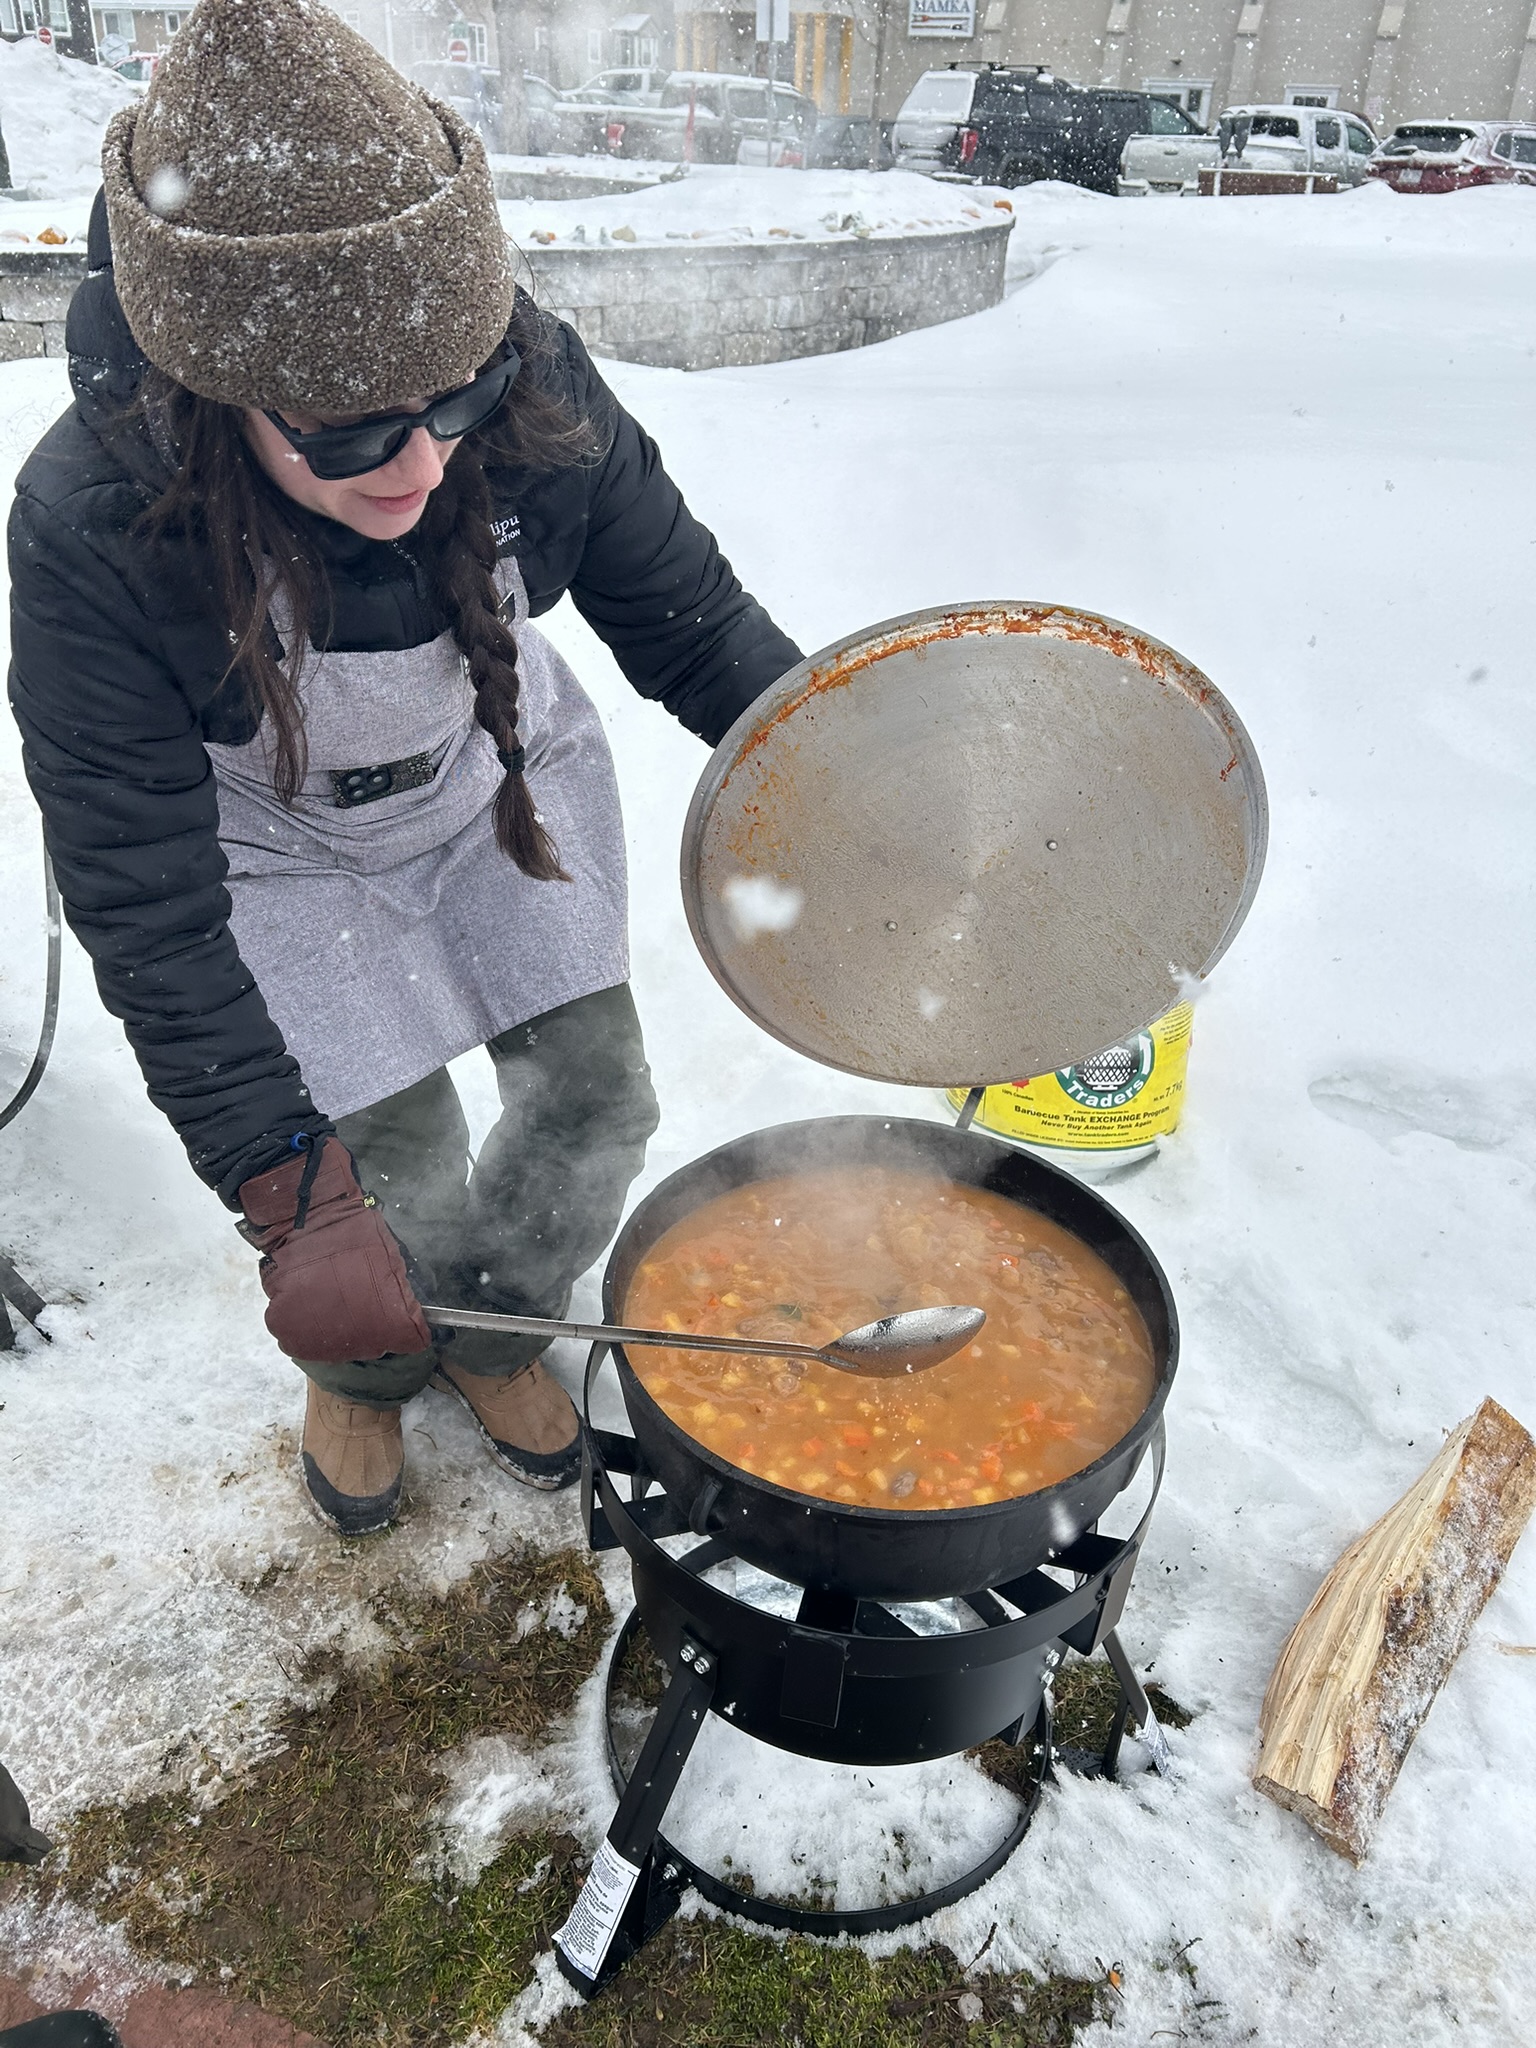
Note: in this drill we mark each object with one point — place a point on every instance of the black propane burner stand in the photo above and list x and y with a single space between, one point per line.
844 1679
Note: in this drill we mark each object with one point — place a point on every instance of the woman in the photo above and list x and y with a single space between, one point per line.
326 811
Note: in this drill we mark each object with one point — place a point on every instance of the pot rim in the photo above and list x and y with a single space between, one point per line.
1143 1426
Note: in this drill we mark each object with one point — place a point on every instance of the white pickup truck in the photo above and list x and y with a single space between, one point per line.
1290 139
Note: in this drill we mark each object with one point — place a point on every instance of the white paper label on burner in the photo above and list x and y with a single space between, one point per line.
1157 1742
598 1911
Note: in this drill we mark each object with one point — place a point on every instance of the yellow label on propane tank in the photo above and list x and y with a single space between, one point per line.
1124 1096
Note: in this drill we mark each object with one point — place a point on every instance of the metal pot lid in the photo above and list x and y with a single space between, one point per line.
974 844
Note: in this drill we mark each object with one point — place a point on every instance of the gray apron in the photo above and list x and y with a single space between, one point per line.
393 936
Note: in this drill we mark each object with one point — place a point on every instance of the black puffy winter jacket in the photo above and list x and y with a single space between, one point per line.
117 664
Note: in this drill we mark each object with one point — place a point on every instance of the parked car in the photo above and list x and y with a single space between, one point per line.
547 120
730 121
473 93
633 88
1166 158
581 120
1449 156
1295 140
841 143
1009 125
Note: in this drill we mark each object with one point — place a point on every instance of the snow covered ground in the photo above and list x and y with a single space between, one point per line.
1291 438
725 203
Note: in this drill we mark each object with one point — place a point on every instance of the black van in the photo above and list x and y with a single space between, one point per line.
1014 124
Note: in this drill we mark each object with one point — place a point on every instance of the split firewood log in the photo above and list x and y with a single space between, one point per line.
1362 1667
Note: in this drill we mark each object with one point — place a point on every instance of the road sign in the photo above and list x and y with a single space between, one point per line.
45 35
458 50
773 21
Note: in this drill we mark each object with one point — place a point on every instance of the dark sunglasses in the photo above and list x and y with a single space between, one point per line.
337 452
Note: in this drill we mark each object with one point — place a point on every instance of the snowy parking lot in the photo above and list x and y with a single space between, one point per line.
1291 438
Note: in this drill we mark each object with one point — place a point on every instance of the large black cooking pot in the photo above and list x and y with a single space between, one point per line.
889 1553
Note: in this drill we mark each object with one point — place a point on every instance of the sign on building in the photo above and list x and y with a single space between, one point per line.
941 17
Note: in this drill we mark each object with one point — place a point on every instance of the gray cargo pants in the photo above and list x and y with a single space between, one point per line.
513 1229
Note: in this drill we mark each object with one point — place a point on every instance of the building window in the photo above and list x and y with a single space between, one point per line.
1311 95
594 46
1192 94
477 43
118 24
173 23
58 15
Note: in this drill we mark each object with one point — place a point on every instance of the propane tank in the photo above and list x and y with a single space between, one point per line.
1106 1113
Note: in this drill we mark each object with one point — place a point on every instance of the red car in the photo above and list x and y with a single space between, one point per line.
1448 156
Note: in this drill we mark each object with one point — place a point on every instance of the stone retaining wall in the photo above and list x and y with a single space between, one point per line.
712 305
36 286
693 306
526 183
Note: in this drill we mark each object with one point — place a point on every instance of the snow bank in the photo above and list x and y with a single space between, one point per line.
734 203
54 111
1282 435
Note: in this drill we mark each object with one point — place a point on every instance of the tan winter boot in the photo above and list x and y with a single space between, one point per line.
354 1462
526 1419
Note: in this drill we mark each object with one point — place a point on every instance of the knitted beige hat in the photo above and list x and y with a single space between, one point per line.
295 226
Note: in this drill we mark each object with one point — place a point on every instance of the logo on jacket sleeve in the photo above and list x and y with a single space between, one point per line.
506 532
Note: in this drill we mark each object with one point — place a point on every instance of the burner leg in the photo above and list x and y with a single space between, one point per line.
1137 1707
627 1897
27 1299
1109 1762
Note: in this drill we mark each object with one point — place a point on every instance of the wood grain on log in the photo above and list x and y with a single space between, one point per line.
1362 1667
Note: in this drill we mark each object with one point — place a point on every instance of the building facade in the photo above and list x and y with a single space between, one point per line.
1388 59
411 32
820 56
68 23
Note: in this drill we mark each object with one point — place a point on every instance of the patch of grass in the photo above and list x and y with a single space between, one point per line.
1086 1695
709 1984
315 1885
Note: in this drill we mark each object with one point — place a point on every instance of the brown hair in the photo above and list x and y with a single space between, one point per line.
221 496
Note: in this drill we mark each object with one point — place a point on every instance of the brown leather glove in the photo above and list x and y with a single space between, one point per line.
336 1284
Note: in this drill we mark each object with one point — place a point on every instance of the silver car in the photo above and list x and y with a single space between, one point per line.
1298 141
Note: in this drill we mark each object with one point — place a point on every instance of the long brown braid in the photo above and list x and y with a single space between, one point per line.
221 497
459 548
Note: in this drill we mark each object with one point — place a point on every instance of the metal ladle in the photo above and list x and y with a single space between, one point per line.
880 1350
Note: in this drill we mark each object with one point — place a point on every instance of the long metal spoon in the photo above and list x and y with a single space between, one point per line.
883 1350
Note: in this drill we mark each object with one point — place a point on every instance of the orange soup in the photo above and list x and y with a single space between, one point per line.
1060 1371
